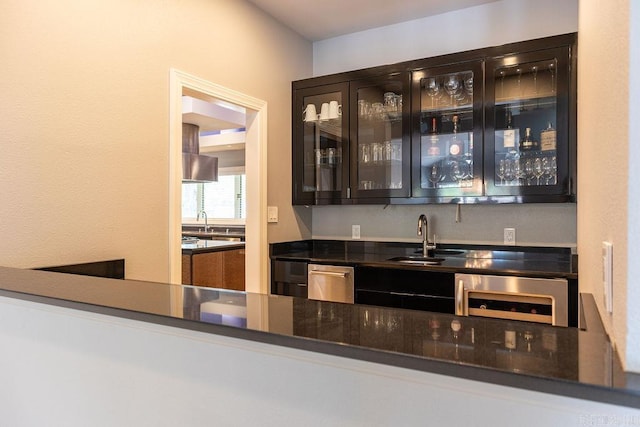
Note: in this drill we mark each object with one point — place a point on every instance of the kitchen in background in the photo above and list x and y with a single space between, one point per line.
213 193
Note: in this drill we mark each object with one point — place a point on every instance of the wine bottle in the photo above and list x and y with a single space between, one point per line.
548 139
527 143
455 147
509 132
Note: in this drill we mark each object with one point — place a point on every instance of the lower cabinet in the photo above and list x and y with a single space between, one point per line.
289 278
223 269
411 289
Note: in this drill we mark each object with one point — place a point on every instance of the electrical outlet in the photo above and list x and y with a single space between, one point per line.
355 231
510 236
272 214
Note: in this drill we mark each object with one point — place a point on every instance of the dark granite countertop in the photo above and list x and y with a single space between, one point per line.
204 246
519 261
564 361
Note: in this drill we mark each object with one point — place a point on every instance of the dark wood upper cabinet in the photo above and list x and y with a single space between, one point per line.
494 125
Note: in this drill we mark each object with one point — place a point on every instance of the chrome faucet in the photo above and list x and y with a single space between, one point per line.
206 225
423 230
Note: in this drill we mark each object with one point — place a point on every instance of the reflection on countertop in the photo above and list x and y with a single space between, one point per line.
203 246
564 361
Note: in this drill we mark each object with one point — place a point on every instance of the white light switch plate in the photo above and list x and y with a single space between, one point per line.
272 214
607 275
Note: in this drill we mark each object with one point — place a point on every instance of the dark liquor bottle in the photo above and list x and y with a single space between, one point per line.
527 143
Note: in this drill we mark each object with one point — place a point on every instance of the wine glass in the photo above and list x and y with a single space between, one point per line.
467 84
534 71
528 170
547 172
457 173
452 87
433 90
501 170
537 169
509 171
552 70
435 174
502 74
518 170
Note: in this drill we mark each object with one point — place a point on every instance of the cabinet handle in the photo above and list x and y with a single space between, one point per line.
459 298
329 273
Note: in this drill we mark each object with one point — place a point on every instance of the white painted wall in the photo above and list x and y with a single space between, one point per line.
72 368
491 24
633 268
85 120
603 163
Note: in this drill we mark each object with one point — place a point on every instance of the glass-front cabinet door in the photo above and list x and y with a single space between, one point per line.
447 132
527 124
320 151
380 135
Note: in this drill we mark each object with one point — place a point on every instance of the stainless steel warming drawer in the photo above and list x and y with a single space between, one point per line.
331 283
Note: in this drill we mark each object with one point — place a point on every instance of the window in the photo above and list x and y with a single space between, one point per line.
224 199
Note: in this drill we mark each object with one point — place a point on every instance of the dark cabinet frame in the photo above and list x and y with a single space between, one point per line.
565 191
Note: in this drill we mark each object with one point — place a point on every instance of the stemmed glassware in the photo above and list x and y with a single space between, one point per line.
435 174
529 171
452 87
552 70
501 171
537 169
433 90
509 171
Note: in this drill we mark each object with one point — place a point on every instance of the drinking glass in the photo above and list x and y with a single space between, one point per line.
509 172
547 171
500 171
435 174
457 172
537 169
518 170
433 90
452 87
552 70
528 169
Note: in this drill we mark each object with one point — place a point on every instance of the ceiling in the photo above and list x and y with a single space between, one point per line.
323 19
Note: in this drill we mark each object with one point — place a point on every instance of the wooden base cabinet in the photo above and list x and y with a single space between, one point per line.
224 269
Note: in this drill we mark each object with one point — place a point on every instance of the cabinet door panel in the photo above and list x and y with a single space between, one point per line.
320 152
447 141
207 269
380 137
234 269
527 124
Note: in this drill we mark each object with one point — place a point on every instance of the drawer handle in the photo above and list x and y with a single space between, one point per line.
459 298
329 273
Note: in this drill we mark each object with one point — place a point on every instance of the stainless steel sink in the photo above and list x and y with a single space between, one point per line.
417 260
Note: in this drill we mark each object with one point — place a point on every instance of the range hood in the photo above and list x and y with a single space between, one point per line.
196 167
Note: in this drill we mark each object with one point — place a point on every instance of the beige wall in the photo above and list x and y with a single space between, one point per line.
603 114
85 119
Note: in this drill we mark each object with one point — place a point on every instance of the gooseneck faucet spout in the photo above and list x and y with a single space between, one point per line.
204 214
423 230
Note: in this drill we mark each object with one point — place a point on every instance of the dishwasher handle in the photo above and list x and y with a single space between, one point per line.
330 273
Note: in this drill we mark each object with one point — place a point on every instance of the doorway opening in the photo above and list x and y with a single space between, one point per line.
256 251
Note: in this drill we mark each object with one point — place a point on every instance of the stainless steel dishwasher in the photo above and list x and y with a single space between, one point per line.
331 283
